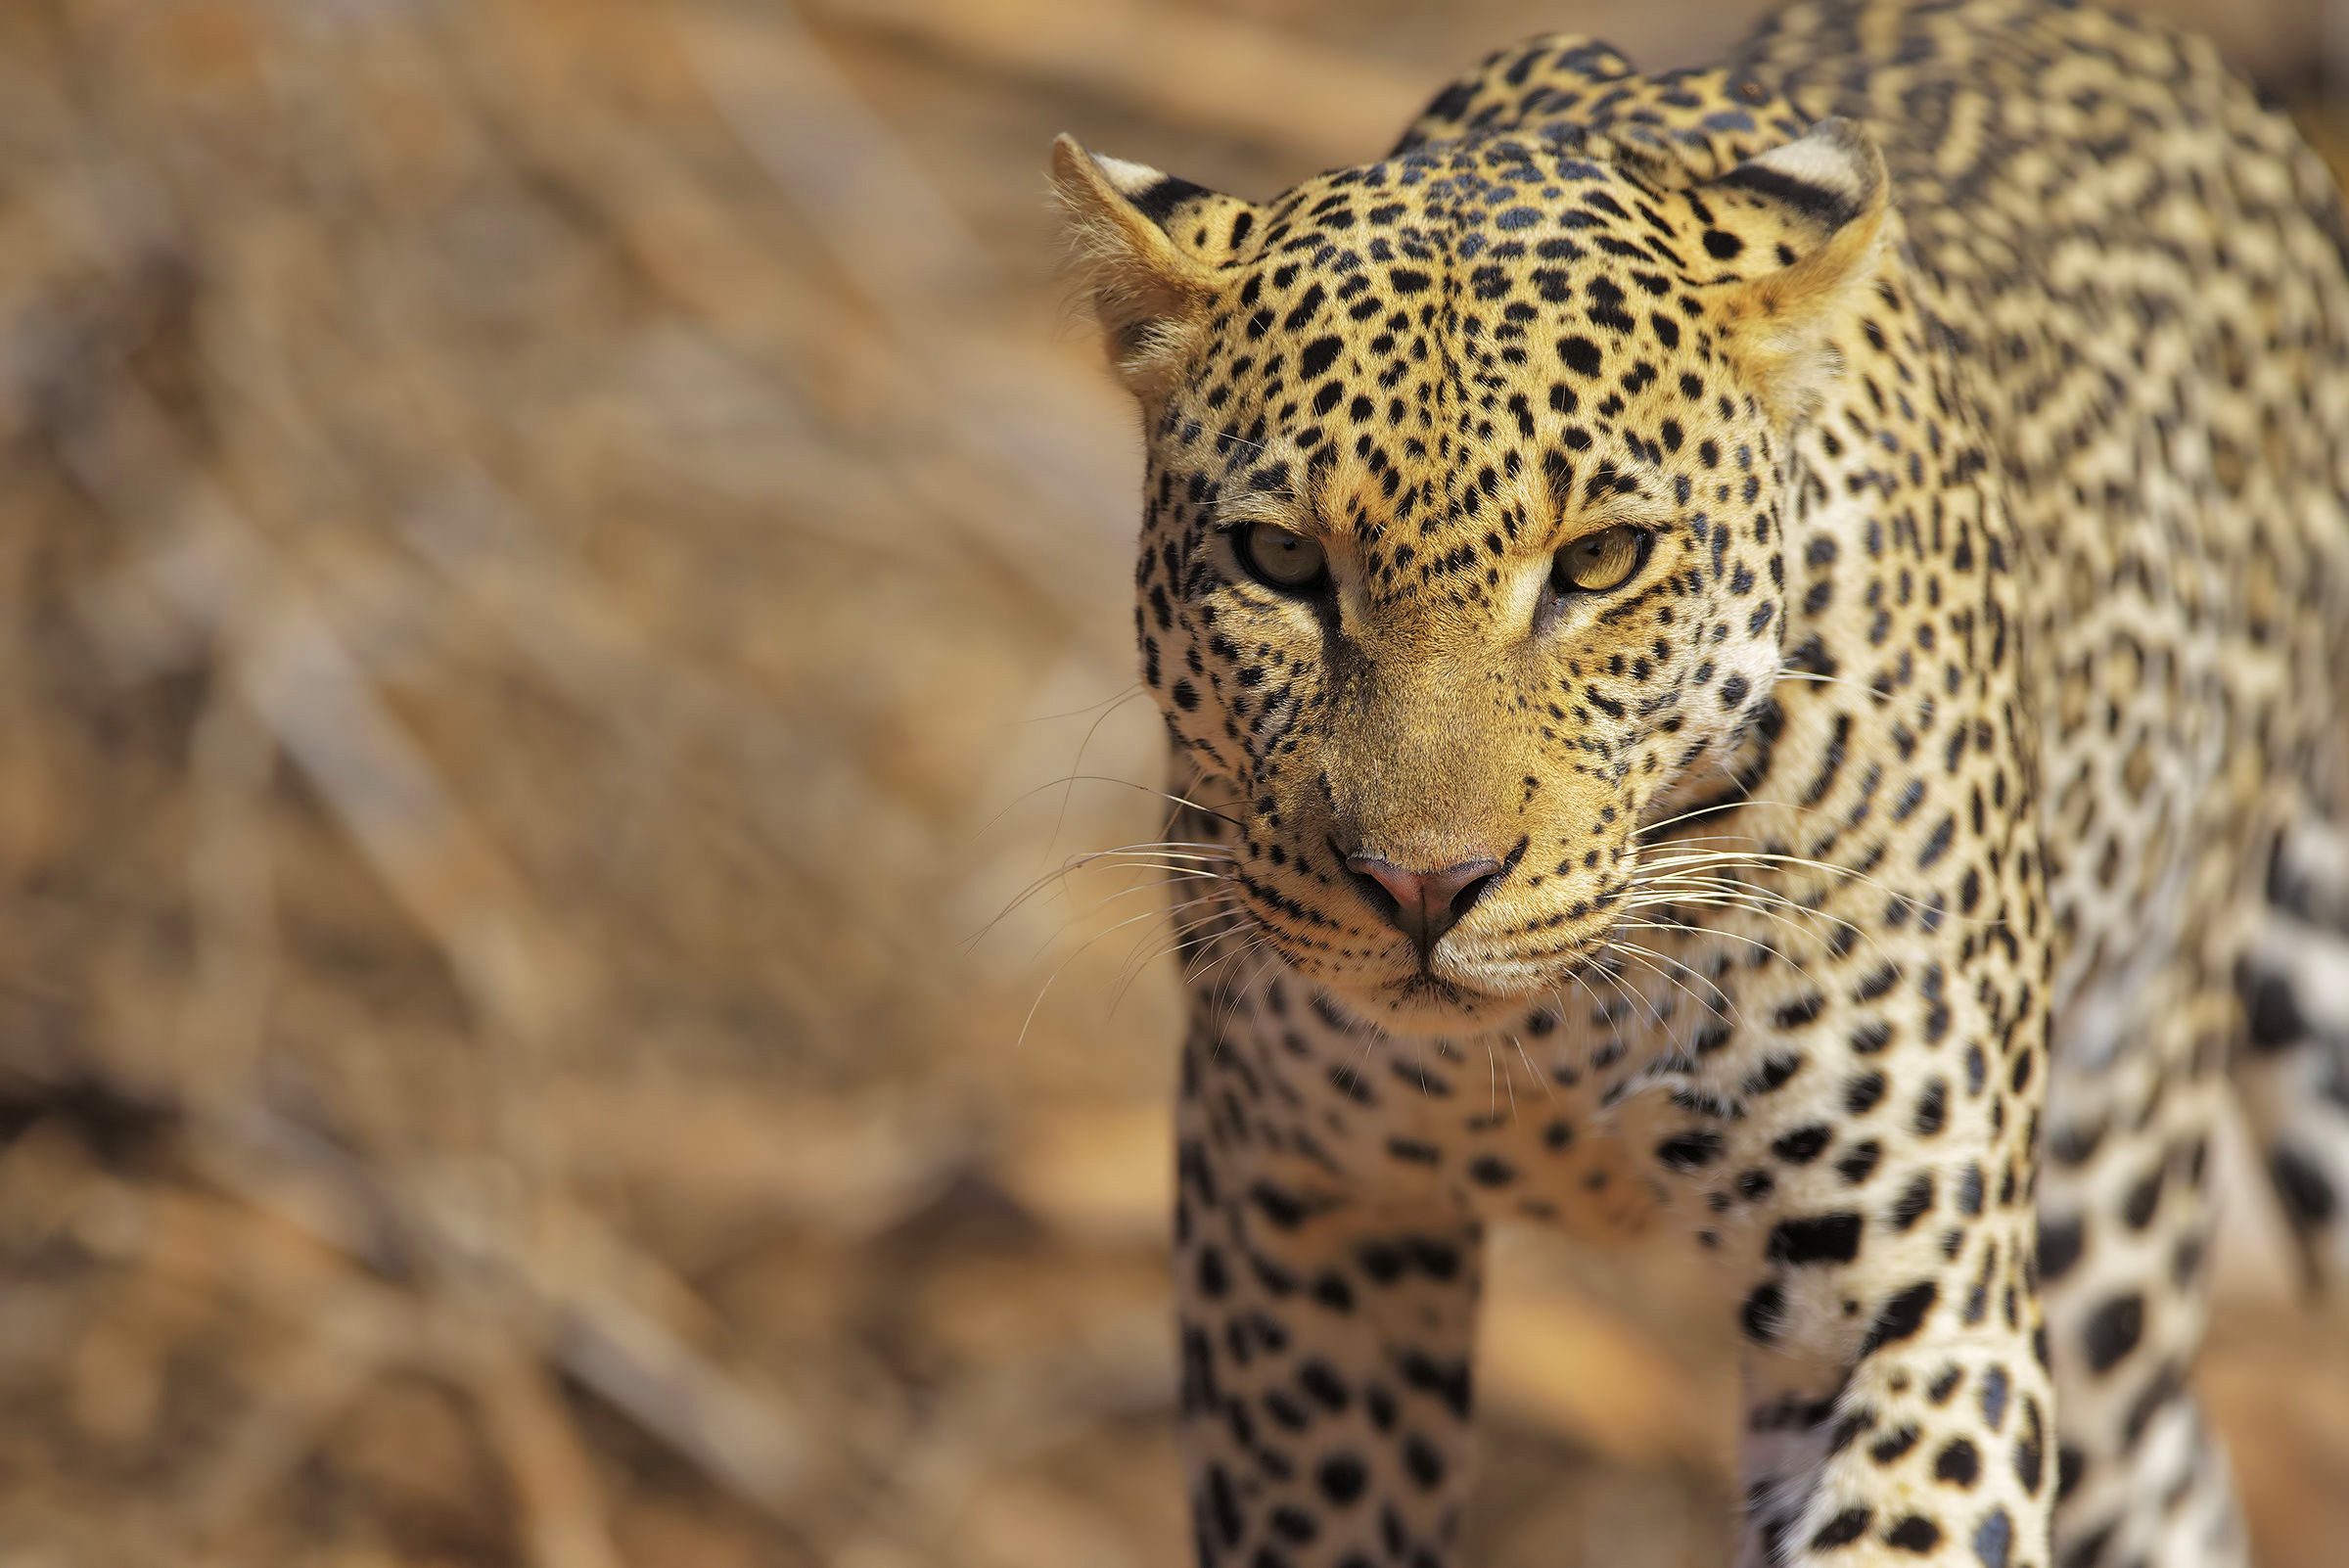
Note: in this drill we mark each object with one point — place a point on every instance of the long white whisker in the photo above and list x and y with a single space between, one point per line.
1529 1072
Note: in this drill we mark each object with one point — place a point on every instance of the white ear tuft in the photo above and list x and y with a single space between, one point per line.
1147 288
1822 199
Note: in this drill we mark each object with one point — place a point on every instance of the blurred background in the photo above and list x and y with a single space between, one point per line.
563 615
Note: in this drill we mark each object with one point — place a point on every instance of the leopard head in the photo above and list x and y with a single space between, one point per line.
1461 559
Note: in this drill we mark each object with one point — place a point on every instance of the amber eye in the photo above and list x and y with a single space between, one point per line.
1279 559
1602 561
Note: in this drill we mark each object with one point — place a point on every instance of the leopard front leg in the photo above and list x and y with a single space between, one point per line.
1877 1207
1326 1337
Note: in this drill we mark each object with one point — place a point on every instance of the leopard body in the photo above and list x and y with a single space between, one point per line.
1886 884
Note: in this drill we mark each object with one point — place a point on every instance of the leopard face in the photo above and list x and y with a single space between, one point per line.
1461 564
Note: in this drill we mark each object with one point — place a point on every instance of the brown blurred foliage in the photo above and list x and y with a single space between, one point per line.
562 611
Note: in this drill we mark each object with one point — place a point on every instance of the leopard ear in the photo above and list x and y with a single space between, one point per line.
1146 253
1816 206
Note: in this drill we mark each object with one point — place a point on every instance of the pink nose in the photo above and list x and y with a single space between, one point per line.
1423 904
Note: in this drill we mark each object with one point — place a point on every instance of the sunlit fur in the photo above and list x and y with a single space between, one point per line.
1959 779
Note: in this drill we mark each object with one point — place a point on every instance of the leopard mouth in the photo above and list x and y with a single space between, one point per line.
1427 988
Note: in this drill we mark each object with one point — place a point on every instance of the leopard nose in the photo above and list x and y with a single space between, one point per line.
1423 904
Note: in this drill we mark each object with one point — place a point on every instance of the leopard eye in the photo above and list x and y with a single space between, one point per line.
1602 561
1280 559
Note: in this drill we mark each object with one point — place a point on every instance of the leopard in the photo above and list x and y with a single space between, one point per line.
1756 657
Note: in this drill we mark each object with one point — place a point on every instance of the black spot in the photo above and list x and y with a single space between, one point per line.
1351 1083
1862 1093
1437 1259
1890 1446
1916 1534
1214 1279
1994 1538
1421 1459
2075 1145
1816 1239
2088 1551
2070 1465
1959 1463
1225 1506
1309 305
1795 1014
1341 1478
1914 1203
2274 1013
1842 1530
1159 202
1448 1381
2169 1382
1861 1163
2060 1243
1692 1150
1994 1397
1328 1390
2113 1331
1763 1315
1284 1209
1581 355
1317 357
1870 1038
1294 1525
1902 1316
2307 1192
1491 1171
1802 1145
2030 1453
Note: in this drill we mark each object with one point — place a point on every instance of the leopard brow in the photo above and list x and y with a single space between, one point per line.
1613 512
1615 505
1280 508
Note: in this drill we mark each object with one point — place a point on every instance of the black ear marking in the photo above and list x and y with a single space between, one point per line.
1164 198
1145 251
1830 176
1829 210
1819 203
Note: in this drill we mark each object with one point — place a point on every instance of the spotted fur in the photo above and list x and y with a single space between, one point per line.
1877 882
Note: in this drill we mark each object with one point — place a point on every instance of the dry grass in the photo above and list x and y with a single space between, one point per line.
562 568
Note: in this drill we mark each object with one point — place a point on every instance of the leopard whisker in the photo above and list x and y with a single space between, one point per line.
1062 967
1044 882
1547 1090
1765 857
